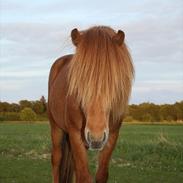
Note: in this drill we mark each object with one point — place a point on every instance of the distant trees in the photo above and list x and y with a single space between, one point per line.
38 107
145 112
14 107
5 107
25 110
9 116
149 112
25 103
179 110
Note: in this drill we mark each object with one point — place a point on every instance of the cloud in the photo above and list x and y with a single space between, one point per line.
25 74
34 34
157 92
15 89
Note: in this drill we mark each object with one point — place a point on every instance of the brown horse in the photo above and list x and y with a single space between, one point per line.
88 96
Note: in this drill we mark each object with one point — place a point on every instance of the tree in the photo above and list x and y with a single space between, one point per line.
15 107
179 110
147 118
5 107
27 114
43 101
38 107
134 112
25 103
168 112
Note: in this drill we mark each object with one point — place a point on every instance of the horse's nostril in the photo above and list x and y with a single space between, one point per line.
88 137
104 137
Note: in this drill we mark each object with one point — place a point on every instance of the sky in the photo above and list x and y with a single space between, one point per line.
33 34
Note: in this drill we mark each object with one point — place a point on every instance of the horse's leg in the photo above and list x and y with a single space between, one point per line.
57 136
80 158
105 155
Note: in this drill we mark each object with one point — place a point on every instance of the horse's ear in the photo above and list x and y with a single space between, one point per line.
75 35
119 37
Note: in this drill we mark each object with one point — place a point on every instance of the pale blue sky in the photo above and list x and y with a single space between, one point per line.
35 33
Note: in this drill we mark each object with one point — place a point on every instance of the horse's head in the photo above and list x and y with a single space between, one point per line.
97 125
100 76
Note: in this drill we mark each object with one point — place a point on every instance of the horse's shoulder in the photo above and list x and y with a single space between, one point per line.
57 66
60 62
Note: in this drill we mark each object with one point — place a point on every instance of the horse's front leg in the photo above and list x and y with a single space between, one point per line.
57 136
80 158
104 157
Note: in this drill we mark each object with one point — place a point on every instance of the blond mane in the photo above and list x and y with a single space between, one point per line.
101 70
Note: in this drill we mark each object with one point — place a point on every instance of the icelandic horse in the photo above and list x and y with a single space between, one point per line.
87 100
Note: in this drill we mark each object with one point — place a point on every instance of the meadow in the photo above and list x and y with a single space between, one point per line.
144 154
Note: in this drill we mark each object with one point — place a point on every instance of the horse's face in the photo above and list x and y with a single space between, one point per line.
97 125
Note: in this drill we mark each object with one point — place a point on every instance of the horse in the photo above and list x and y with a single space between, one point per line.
88 96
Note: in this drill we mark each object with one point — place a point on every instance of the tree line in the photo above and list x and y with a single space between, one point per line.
146 112
149 112
24 110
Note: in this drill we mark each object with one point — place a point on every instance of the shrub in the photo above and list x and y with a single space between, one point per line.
147 118
42 117
169 118
9 116
27 114
129 119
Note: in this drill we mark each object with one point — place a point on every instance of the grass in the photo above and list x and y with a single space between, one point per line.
144 153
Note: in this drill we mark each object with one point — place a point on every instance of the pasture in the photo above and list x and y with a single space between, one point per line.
144 154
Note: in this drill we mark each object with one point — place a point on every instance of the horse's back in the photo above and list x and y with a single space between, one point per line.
57 67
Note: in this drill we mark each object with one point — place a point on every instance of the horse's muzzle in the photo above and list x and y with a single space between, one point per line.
96 143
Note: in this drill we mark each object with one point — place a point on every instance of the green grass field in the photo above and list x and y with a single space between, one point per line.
144 154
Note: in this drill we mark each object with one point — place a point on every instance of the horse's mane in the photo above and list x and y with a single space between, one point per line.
101 69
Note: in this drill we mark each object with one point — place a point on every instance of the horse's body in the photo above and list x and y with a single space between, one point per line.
85 95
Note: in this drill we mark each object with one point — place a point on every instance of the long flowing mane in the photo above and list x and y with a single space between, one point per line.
101 69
